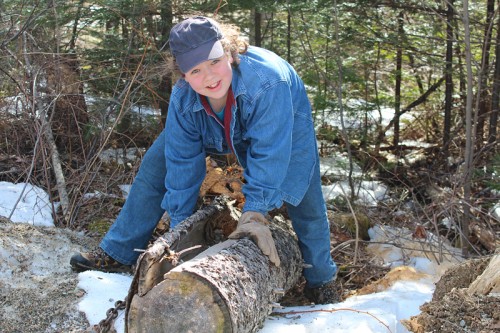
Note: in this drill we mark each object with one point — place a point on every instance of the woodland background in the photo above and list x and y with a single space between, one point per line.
71 72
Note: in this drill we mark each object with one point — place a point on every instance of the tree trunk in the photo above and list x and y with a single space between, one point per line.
58 170
469 146
345 136
483 82
495 98
448 77
165 88
397 97
74 32
230 287
257 24
289 36
462 76
421 99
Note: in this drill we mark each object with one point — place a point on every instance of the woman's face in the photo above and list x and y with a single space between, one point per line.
212 79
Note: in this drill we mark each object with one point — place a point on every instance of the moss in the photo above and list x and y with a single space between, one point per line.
347 222
100 226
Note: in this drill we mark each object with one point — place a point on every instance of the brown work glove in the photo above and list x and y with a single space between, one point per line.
254 226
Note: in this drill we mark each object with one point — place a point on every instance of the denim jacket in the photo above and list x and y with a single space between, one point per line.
271 130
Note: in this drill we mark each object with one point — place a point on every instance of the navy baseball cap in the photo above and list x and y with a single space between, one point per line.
195 40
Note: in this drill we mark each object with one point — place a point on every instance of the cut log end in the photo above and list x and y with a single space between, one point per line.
181 293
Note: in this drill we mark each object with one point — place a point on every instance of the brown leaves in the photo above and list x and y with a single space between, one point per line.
419 232
228 181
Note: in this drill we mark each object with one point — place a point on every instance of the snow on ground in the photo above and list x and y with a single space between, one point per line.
495 211
367 192
355 111
376 312
102 290
32 204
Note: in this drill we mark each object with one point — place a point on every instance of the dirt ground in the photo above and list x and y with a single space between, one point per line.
453 309
38 290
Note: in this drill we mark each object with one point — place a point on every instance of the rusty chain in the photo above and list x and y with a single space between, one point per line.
106 325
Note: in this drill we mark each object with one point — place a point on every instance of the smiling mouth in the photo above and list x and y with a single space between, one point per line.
213 86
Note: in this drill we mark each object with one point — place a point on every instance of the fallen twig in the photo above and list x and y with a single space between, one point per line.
282 314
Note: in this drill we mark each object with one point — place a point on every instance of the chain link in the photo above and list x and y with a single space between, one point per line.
106 325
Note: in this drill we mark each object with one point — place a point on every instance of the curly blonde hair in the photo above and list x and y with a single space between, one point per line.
232 42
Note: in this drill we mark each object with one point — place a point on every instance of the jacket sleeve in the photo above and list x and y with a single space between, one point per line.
185 162
269 127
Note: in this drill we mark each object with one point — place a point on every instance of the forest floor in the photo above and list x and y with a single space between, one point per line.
39 293
38 290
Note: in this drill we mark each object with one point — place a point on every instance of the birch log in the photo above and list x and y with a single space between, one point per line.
230 287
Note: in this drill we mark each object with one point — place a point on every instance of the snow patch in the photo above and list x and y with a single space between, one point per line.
32 204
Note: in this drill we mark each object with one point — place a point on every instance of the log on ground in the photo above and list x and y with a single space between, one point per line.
489 281
230 287
207 226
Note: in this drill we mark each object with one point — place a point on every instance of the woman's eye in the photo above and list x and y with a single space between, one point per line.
194 71
215 61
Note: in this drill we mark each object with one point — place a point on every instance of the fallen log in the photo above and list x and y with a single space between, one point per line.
489 281
229 287
485 236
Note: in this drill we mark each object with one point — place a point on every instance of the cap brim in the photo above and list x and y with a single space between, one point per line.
204 52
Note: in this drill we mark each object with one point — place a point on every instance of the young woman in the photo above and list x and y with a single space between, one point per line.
236 98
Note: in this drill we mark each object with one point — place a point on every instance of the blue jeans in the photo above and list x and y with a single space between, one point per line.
310 222
142 211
